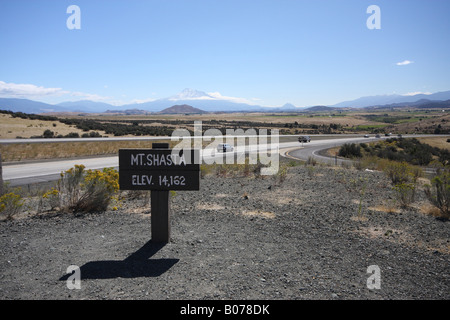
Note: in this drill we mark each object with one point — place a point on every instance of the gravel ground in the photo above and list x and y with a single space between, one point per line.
307 237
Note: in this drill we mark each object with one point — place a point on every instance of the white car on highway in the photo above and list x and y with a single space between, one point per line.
224 147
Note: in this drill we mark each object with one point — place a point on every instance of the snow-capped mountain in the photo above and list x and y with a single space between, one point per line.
191 94
210 102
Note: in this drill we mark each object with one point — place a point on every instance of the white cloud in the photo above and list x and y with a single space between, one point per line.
31 91
139 101
14 90
404 63
218 96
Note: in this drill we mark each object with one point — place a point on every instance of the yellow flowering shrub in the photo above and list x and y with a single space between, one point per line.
10 204
52 197
80 190
108 178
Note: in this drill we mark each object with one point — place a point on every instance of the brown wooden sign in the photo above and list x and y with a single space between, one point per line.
159 169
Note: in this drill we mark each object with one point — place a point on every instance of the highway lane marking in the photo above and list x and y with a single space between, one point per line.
287 155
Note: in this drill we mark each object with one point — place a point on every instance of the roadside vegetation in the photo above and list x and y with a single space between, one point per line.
77 191
438 192
409 150
81 190
403 161
11 203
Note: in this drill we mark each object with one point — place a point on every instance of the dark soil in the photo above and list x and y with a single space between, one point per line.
311 236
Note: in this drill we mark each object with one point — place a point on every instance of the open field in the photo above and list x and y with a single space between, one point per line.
345 121
350 117
11 128
333 122
439 142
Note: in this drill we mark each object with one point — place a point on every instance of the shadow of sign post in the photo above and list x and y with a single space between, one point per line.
136 265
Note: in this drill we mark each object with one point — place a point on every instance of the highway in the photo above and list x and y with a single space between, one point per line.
43 171
312 149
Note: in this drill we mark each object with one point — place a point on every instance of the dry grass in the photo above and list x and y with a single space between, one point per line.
11 128
210 206
59 150
404 237
431 120
385 208
429 209
439 142
258 213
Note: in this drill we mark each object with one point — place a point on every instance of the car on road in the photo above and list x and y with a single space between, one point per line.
224 147
377 136
366 136
304 139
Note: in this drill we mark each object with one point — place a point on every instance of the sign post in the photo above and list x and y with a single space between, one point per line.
1 176
159 170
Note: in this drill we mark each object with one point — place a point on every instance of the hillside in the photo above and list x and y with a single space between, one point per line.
319 109
184 108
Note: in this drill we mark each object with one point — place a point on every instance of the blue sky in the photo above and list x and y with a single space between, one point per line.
268 52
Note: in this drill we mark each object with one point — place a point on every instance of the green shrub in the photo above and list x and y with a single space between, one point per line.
48 134
404 178
401 172
409 150
350 151
439 191
405 193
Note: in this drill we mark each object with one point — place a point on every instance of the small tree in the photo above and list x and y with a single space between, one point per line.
48 134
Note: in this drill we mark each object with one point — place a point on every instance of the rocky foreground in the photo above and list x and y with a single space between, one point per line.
322 233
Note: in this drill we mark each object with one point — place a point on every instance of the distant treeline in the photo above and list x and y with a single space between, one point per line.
29 116
121 127
118 129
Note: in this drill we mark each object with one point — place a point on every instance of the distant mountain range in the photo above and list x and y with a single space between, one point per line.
382 100
214 102
85 106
